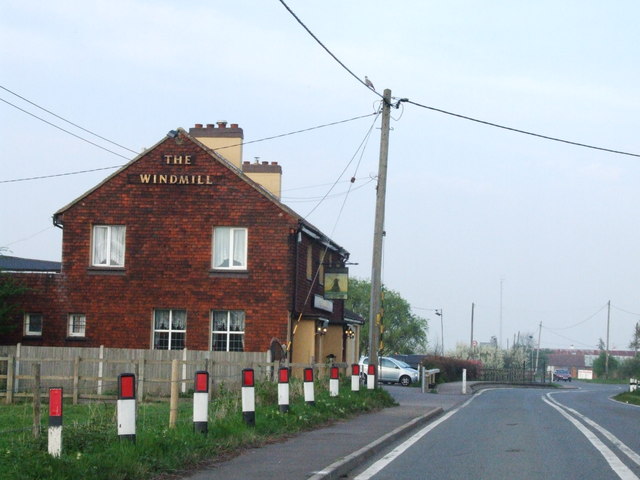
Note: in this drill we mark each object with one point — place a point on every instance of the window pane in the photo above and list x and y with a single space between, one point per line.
177 341
100 245
221 246
162 320
161 341
220 321
236 322
239 247
236 343
179 320
117 246
219 342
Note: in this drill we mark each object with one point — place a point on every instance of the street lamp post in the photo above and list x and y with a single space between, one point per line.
440 314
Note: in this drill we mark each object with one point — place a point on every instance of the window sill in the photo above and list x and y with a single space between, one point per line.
228 273
106 270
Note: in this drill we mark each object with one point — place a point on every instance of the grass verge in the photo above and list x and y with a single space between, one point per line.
629 397
92 450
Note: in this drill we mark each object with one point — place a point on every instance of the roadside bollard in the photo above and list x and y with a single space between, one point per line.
309 395
55 422
355 377
248 397
126 406
201 402
633 384
371 376
283 389
464 381
334 382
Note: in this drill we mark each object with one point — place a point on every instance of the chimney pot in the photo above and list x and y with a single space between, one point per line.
209 125
198 125
265 163
222 124
274 163
234 125
246 163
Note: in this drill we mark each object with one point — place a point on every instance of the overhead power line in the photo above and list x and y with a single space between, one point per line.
67 121
368 87
525 132
40 177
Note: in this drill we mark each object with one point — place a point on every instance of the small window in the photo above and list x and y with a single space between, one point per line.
230 248
321 268
33 324
227 331
108 246
169 329
77 325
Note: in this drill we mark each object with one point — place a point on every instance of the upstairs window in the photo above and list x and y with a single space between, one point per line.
227 331
33 324
230 248
77 325
108 246
169 329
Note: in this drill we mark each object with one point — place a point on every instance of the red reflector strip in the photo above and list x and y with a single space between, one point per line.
247 377
355 369
55 402
371 369
126 386
202 382
308 374
335 373
283 375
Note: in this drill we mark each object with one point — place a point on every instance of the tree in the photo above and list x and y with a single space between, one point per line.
635 340
599 364
402 331
9 289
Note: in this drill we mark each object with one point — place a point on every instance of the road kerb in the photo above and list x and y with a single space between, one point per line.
348 463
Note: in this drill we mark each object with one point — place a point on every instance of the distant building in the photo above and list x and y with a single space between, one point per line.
187 246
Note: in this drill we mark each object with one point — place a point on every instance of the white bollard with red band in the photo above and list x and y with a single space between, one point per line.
126 406
283 389
371 376
355 377
248 397
309 394
201 402
334 382
55 422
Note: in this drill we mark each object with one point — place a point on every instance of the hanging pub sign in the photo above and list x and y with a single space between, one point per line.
336 283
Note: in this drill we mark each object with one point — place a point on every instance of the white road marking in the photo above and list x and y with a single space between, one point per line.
614 462
400 449
633 456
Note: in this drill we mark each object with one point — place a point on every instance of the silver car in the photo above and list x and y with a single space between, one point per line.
391 370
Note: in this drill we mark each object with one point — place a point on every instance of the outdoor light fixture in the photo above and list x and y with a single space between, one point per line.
349 333
321 327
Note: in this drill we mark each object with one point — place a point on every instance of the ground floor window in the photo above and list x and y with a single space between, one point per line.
227 331
77 325
33 324
169 329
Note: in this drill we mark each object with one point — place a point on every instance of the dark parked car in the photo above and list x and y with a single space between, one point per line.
561 374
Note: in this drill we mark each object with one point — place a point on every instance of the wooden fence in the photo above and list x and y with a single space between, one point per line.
92 373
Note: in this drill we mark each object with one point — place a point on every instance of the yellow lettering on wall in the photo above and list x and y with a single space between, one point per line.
144 178
162 179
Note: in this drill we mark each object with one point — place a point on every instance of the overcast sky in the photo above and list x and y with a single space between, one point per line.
474 213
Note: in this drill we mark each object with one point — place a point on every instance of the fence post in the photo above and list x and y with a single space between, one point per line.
36 400
16 381
76 374
210 370
173 403
183 382
141 365
10 374
100 369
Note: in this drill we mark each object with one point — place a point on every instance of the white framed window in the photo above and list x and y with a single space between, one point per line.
230 248
33 324
77 325
169 329
227 330
108 246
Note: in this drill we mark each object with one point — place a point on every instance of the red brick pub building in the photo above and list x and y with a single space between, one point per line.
185 247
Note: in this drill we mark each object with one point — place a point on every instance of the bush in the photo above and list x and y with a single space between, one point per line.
451 368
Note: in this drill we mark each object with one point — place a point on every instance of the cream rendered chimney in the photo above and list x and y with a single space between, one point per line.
267 175
225 140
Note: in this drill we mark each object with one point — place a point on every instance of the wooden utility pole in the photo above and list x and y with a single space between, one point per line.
375 316
473 306
538 349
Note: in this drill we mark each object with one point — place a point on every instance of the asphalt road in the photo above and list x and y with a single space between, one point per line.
521 433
